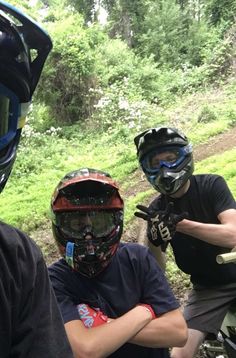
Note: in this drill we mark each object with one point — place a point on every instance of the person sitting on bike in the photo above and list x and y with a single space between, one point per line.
30 320
196 215
114 299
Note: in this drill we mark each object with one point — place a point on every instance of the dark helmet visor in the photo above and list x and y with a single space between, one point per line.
87 193
9 107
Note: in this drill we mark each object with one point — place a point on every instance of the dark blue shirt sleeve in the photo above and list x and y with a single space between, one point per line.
156 290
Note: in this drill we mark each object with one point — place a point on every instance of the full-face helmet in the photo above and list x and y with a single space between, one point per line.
87 220
24 47
165 156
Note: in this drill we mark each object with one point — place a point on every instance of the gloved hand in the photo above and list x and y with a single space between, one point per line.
162 223
149 308
91 317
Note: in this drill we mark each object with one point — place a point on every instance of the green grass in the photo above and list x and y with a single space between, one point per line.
45 159
223 164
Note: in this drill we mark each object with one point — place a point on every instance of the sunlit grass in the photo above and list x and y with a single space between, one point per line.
222 164
26 199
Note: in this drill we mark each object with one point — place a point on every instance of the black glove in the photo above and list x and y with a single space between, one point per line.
162 224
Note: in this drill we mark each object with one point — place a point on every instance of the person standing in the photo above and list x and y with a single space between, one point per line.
196 215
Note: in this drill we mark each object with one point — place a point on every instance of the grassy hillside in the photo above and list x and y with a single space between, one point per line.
44 158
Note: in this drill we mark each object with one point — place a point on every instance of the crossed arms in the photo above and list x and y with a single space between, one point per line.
136 326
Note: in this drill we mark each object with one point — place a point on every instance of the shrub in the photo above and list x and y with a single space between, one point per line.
206 115
69 72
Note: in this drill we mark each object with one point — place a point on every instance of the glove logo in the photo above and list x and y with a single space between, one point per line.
164 231
159 226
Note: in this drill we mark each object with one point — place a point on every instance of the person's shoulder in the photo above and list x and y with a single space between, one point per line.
133 250
59 265
15 239
19 255
206 179
59 268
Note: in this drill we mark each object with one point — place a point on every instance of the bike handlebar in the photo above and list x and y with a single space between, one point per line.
226 258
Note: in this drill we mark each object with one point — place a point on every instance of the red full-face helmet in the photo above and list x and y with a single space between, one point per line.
87 219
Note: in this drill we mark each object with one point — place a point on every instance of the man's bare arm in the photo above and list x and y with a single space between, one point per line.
168 330
101 341
223 234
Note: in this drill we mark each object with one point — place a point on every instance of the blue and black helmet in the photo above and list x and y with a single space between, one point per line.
24 47
165 156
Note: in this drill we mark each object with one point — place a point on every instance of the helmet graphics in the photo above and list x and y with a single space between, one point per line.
87 219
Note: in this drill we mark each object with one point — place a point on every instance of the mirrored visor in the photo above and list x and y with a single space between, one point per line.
99 223
169 157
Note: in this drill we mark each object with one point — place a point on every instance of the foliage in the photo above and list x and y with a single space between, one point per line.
175 50
218 11
85 7
40 118
125 19
110 89
116 64
43 158
206 115
223 165
69 73
173 35
162 29
22 5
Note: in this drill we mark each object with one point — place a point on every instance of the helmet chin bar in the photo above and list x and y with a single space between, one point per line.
90 264
169 181
90 257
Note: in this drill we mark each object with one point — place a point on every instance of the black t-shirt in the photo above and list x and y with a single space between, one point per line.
207 196
30 321
132 277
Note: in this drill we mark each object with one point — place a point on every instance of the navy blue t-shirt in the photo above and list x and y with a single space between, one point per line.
207 197
132 277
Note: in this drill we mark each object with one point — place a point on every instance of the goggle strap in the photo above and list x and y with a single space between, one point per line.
24 109
21 122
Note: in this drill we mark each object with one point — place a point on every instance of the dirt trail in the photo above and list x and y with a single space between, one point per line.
136 231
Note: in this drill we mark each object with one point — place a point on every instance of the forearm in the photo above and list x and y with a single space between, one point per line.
168 330
159 255
101 341
216 234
